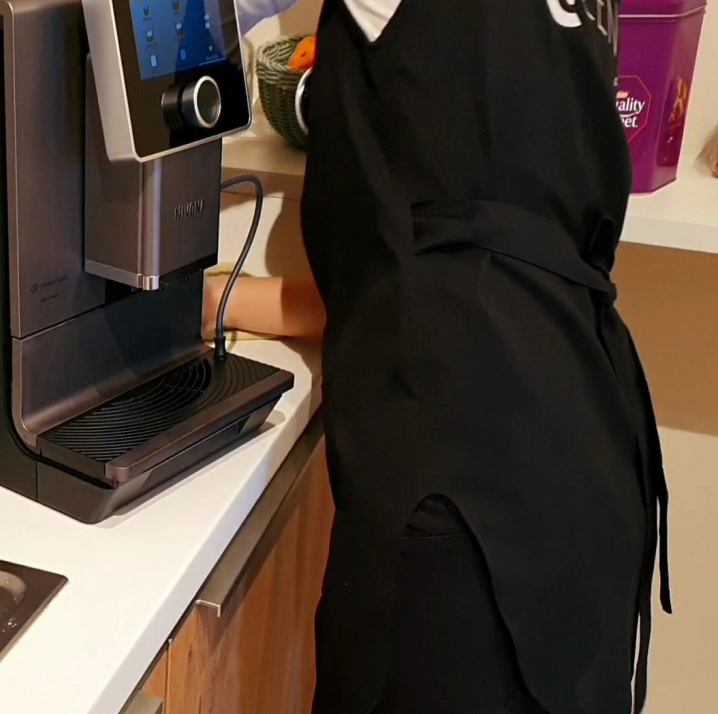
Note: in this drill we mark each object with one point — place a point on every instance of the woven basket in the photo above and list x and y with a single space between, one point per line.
278 88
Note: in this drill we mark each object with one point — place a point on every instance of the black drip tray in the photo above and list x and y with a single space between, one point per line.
146 412
154 421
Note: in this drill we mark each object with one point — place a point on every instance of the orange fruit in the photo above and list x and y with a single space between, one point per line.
303 56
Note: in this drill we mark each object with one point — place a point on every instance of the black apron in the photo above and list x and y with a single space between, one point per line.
466 188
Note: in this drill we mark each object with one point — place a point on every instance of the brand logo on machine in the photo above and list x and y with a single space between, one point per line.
633 102
49 289
601 13
185 210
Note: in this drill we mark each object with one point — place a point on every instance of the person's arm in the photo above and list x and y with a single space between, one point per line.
282 307
252 12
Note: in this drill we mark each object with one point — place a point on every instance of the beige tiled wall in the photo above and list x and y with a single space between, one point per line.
684 658
670 300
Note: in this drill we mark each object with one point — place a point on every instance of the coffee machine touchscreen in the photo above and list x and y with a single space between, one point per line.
173 36
168 74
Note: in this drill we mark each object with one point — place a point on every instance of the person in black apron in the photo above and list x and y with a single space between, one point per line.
492 448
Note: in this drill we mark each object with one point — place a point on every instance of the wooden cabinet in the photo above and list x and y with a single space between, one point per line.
156 683
257 656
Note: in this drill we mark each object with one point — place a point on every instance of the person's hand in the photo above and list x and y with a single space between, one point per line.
213 287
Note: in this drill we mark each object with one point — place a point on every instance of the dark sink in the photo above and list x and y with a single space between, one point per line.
24 594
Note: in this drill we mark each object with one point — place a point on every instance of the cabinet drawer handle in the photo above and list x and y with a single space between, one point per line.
266 519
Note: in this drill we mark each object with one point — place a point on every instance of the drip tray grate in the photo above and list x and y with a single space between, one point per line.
133 419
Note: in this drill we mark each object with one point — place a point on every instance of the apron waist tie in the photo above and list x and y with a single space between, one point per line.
516 233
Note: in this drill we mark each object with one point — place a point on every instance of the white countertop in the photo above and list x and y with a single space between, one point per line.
132 577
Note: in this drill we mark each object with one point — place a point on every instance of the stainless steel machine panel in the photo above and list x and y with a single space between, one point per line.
106 388
78 364
147 222
45 119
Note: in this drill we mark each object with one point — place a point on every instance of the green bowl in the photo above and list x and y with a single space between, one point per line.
278 85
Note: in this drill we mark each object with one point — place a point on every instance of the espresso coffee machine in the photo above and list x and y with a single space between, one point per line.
112 119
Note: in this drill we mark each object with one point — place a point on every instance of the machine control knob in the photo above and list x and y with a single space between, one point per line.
201 103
